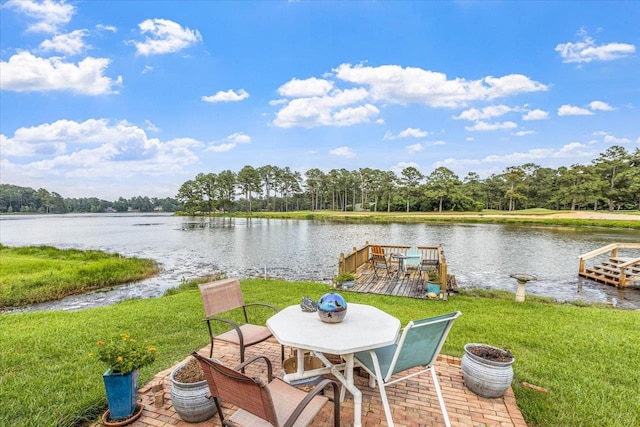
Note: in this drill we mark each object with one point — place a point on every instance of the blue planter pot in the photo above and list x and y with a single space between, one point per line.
122 393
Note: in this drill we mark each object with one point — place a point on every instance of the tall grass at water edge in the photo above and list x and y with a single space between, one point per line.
35 274
587 357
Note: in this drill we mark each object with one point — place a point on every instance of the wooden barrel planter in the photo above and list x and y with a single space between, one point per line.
484 376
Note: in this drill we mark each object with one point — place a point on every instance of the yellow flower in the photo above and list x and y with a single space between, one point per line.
152 349
119 359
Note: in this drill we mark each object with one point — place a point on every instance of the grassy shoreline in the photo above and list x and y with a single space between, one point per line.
34 274
543 217
585 356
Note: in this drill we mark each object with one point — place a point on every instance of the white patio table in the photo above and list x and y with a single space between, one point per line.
364 328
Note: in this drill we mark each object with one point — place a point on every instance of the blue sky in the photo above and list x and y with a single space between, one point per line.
125 98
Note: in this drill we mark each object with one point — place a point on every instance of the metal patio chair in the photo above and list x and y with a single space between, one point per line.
224 296
271 403
419 345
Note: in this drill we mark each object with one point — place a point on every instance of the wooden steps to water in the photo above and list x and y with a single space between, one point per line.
615 270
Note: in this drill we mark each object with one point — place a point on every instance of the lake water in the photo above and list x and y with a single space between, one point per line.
479 255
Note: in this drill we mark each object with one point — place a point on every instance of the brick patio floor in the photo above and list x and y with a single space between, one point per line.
413 402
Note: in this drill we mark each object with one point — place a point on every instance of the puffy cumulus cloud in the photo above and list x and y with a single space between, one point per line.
228 96
571 110
165 36
407 133
334 109
320 102
230 142
343 152
48 15
68 44
25 72
601 106
586 50
611 139
392 83
573 149
93 150
536 115
484 126
475 114
303 88
415 148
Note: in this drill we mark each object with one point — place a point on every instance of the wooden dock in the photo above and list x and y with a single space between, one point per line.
410 282
615 270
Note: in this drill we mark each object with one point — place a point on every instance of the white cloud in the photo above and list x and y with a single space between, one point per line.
49 15
475 114
608 138
93 150
147 69
164 36
329 110
484 126
228 96
536 115
599 105
343 152
68 44
392 83
230 142
304 88
25 72
523 133
102 27
415 148
571 110
586 50
407 133
151 127
573 149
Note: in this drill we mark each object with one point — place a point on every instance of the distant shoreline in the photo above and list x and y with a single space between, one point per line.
630 219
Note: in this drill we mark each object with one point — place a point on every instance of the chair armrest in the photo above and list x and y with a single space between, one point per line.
253 359
227 321
262 304
313 393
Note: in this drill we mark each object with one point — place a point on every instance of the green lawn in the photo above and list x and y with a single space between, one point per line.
587 357
35 274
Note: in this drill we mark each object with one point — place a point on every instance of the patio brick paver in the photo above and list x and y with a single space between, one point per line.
413 402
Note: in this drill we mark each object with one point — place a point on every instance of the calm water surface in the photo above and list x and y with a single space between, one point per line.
479 255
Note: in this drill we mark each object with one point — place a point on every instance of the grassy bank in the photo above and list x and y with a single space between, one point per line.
43 273
585 356
544 217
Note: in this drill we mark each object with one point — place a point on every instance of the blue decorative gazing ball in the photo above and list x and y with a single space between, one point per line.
332 308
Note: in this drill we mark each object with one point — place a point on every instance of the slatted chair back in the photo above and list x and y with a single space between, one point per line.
221 296
232 386
377 250
421 342
413 257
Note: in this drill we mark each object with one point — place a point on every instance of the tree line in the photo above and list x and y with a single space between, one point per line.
27 200
611 181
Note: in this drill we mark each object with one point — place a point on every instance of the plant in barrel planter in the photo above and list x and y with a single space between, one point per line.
487 370
190 392
123 356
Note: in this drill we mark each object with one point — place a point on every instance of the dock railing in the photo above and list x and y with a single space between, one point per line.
613 249
359 256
